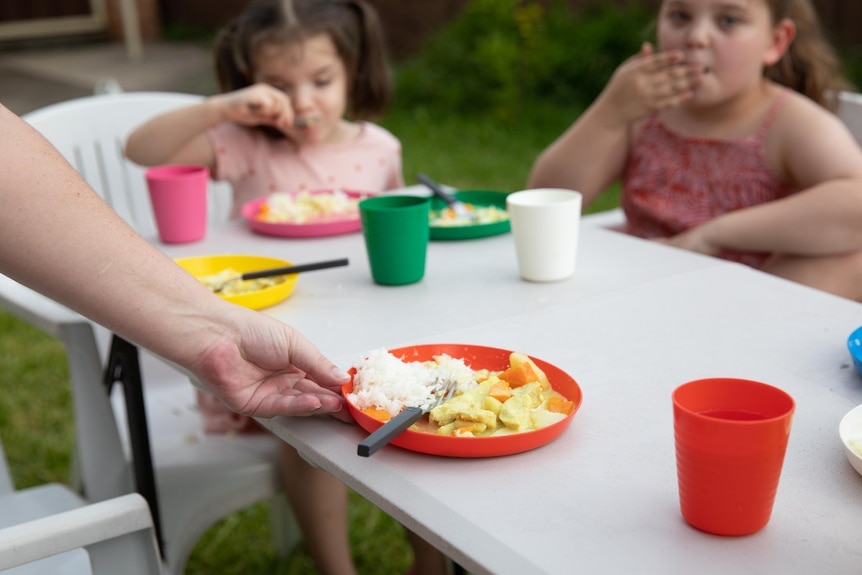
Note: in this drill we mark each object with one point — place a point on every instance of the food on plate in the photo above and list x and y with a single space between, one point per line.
304 207
484 215
856 445
229 278
485 403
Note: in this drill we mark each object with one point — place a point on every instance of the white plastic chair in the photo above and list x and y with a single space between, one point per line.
51 529
91 133
849 110
199 478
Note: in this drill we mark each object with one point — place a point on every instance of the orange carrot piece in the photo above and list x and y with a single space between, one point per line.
558 404
378 414
262 211
519 375
501 391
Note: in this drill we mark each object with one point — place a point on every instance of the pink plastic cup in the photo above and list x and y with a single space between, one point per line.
178 195
731 435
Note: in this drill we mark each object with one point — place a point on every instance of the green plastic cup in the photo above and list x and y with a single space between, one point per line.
396 237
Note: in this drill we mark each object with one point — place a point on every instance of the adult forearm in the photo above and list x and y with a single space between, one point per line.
826 219
59 237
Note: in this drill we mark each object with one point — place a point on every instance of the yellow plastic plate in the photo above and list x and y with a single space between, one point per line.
200 266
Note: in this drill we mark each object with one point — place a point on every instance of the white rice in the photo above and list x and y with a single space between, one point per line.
383 381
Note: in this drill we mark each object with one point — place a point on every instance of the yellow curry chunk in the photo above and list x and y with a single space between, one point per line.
515 413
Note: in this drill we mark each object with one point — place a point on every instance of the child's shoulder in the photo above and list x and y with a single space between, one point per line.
811 143
375 134
800 116
378 132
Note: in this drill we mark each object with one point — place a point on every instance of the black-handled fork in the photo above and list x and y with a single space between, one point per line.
271 272
395 426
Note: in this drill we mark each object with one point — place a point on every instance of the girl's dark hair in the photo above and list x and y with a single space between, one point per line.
810 66
352 25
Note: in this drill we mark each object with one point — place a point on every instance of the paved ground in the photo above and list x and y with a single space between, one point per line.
36 77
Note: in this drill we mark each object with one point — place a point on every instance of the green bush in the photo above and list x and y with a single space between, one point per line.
851 59
500 55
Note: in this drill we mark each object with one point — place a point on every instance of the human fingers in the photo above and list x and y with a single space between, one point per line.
302 405
331 403
288 393
659 61
262 104
672 86
646 49
318 368
693 240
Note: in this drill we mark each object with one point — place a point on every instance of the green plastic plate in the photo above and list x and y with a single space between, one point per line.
471 231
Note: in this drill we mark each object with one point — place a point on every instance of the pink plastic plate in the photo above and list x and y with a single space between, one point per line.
322 227
477 357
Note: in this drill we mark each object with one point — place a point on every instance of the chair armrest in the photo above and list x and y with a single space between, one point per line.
82 527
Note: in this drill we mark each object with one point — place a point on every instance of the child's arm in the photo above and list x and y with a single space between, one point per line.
820 156
180 136
592 152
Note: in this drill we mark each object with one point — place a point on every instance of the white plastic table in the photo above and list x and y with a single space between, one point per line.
637 320
466 282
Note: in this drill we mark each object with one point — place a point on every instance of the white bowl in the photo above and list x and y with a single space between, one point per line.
850 429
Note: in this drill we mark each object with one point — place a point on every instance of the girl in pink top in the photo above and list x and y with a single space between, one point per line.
296 79
725 143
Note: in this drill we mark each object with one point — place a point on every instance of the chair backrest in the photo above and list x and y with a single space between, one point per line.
6 484
850 112
91 132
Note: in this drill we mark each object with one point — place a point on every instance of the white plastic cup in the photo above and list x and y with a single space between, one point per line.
545 224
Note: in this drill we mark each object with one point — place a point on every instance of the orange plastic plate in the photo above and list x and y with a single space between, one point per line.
476 357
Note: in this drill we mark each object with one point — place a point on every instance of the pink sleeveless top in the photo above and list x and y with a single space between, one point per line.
672 183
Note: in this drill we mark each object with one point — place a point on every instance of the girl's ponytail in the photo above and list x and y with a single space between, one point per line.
371 90
231 67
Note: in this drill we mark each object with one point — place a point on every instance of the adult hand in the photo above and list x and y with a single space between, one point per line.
649 82
263 368
258 105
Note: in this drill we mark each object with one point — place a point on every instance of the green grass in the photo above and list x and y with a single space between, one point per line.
35 404
480 152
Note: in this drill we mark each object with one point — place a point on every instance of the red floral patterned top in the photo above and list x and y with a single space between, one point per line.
673 183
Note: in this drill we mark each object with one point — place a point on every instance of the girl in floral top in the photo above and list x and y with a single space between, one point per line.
725 143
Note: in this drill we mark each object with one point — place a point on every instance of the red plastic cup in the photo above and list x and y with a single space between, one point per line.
731 436
178 195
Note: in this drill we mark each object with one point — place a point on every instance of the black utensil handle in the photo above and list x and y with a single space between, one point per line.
389 431
294 269
437 189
